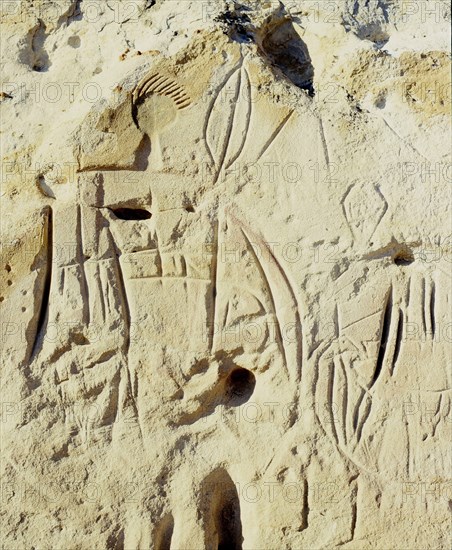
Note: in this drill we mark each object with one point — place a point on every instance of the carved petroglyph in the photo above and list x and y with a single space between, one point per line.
219 326
227 125
161 85
364 208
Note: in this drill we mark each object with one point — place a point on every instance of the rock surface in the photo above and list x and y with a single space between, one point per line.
225 274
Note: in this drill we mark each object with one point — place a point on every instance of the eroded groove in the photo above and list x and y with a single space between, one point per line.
384 338
214 287
354 498
164 533
408 445
330 402
81 259
305 508
408 293
270 294
337 324
294 302
247 124
344 401
324 143
423 308
398 341
356 411
123 293
116 540
364 418
43 313
432 309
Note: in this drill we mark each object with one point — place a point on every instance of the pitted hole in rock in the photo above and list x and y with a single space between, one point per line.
404 257
190 209
179 395
38 57
281 44
380 101
239 386
221 509
132 214
74 41
229 526
236 23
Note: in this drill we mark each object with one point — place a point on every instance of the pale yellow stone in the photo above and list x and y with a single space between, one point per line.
225 275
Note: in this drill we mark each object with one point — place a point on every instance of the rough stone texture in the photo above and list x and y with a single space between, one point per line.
225 274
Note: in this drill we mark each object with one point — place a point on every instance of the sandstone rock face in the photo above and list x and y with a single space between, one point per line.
225 274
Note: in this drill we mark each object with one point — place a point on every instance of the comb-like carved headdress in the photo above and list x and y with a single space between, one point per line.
161 85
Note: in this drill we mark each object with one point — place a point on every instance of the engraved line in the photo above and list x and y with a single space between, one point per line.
347 221
356 411
44 310
267 284
324 143
432 309
247 123
405 142
81 253
384 337
344 400
330 397
100 290
211 107
275 134
169 87
305 506
438 410
230 125
364 418
147 81
423 306
168 277
361 319
123 293
385 209
398 343
215 283
162 84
